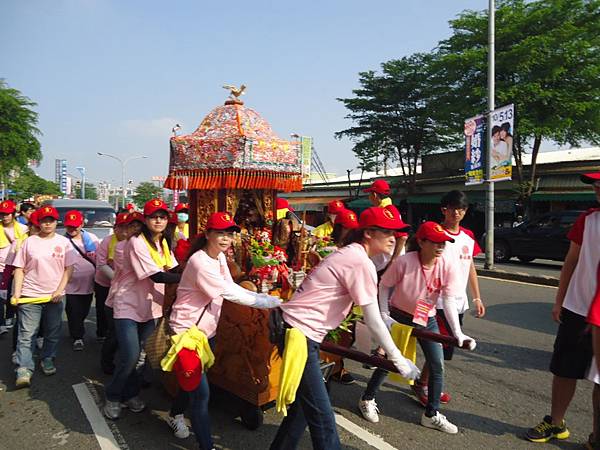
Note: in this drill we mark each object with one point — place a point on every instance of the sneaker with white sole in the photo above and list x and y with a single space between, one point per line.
134 404
112 410
14 358
177 424
368 409
439 422
23 378
78 345
48 367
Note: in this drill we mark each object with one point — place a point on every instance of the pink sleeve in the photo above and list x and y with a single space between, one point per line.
392 274
576 232
20 257
102 252
361 283
208 281
451 283
594 312
71 255
141 261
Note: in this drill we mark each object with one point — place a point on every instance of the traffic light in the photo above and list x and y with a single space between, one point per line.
78 185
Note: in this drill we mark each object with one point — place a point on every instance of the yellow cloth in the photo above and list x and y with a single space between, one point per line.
407 344
19 234
111 247
281 213
385 201
186 231
164 260
32 300
295 355
323 230
192 339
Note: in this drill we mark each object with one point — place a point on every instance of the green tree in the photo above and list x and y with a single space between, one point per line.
18 132
394 114
547 64
27 184
146 191
90 192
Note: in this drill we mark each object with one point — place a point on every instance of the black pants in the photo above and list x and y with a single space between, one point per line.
77 308
101 321
110 345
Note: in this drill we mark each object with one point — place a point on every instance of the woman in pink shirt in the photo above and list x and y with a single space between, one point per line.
412 285
80 289
320 304
43 267
205 283
137 303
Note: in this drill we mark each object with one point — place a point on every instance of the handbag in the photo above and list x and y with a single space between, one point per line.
158 343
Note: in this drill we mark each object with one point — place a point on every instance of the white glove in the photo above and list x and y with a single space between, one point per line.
266 301
405 367
461 338
3 294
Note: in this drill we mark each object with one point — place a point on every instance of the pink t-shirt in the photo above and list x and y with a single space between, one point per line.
137 296
326 296
118 268
10 234
82 280
201 285
102 260
44 261
412 282
460 253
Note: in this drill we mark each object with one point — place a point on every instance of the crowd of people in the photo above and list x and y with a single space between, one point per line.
421 282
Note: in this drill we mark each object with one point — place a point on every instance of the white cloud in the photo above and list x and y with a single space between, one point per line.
152 128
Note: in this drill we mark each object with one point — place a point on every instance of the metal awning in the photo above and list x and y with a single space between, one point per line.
563 197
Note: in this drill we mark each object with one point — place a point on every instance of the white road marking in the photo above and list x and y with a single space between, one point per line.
517 282
370 438
105 438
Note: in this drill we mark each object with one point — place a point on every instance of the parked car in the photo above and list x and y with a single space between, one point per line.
99 216
543 238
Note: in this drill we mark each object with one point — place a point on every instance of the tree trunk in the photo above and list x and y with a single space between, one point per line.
537 141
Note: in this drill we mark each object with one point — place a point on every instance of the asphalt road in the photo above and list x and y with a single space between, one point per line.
497 392
536 267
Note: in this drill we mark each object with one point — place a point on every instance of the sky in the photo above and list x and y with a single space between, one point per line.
114 76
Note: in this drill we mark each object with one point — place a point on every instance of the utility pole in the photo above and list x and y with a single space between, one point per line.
489 200
82 172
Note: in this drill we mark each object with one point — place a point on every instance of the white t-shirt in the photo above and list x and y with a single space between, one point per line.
582 287
460 255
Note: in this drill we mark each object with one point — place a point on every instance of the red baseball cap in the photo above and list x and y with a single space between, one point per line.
181 207
188 369
47 211
347 219
335 207
7 207
129 206
173 218
376 217
33 218
156 204
73 218
434 232
282 203
136 215
380 187
221 221
590 178
122 219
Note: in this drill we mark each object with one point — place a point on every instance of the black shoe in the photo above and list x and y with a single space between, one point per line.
343 378
544 431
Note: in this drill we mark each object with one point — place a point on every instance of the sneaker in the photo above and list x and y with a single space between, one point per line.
134 404
3 330
112 410
368 409
23 378
39 342
47 365
177 424
78 345
14 357
545 430
422 394
439 422
343 377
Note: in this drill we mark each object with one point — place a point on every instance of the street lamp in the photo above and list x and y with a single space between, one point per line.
123 164
82 172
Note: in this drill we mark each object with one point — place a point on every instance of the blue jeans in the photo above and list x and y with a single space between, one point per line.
126 382
434 358
312 407
30 316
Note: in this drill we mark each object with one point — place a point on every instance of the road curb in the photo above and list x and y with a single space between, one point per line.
518 276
